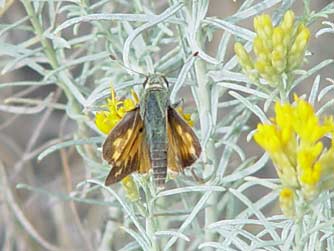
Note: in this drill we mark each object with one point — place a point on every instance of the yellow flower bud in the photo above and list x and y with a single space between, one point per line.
306 121
309 153
245 61
270 144
286 172
297 51
130 188
278 60
315 174
263 26
260 66
287 202
310 182
267 26
278 36
257 23
242 54
288 20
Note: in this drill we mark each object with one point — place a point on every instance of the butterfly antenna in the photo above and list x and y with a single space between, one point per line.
115 59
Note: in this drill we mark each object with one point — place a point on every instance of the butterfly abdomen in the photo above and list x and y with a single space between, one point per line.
158 153
155 120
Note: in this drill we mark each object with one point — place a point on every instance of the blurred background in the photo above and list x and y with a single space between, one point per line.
33 118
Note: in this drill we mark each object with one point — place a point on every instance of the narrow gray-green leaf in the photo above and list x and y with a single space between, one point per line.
254 108
144 245
105 17
314 90
311 71
327 89
158 19
182 77
191 189
125 207
237 31
253 10
69 143
247 171
244 89
26 83
172 233
198 207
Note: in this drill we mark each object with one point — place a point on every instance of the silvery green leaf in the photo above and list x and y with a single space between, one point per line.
172 233
153 21
231 28
69 143
314 90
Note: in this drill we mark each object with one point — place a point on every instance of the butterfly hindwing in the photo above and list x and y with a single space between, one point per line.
125 146
184 146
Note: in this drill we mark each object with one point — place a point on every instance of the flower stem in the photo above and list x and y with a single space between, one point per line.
299 243
298 235
204 109
150 220
50 53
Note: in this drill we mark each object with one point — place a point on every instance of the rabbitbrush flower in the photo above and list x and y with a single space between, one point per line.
107 119
294 142
278 50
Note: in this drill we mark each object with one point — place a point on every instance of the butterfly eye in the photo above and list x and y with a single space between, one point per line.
140 129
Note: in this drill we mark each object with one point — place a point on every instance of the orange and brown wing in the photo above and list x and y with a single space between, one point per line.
125 146
184 147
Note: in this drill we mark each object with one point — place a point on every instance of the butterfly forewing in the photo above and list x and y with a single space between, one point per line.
184 146
125 146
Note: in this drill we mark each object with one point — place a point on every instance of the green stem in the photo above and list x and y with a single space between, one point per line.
299 240
209 151
150 230
39 32
49 51
150 219
298 234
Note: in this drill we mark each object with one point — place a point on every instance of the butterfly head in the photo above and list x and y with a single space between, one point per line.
156 82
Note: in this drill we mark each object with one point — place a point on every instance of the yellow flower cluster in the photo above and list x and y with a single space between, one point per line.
294 142
116 109
278 49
